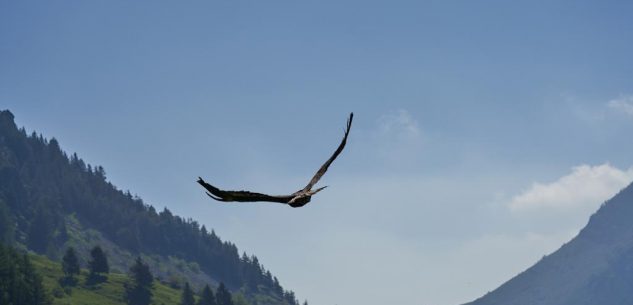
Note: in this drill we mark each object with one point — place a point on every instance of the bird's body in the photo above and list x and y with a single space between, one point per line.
295 200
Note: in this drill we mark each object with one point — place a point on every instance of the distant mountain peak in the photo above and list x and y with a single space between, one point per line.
595 267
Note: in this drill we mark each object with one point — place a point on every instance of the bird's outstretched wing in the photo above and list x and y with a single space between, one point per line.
329 161
297 199
241 196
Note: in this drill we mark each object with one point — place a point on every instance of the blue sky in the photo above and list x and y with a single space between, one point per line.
485 132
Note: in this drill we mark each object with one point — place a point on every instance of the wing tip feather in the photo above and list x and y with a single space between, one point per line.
216 198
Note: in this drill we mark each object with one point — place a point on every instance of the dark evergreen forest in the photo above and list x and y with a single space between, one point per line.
19 282
40 185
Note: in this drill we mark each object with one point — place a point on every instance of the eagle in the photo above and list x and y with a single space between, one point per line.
295 200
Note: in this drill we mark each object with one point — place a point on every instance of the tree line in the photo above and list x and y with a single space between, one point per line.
42 185
20 283
98 266
138 290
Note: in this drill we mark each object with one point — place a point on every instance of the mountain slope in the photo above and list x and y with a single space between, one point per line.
49 200
596 267
108 292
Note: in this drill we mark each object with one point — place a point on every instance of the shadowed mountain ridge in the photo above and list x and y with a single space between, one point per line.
595 267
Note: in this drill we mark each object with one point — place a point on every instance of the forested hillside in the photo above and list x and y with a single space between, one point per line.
49 199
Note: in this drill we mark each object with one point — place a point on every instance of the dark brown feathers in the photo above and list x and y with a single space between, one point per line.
296 199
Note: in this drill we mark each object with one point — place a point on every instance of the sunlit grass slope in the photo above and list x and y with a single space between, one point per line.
109 292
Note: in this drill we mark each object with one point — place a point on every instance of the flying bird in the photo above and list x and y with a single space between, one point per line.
295 200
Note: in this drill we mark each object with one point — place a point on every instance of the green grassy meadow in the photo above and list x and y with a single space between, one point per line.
109 292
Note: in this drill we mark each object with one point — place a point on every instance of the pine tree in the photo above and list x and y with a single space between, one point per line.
187 295
207 297
7 224
223 296
70 263
139 290
36 294
277 287
40 230
99 261
9 274
290 297
19 282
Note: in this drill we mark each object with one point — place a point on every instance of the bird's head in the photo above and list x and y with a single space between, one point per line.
300 201
303 198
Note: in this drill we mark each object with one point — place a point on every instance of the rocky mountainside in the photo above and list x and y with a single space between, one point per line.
596 267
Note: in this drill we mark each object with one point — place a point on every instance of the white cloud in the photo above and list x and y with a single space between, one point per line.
585 186
399 123
623 103
397 141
